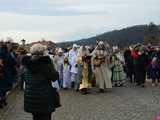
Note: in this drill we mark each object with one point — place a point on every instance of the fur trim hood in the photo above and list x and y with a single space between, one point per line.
35 63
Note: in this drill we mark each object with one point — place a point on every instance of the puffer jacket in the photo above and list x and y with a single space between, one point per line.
38 75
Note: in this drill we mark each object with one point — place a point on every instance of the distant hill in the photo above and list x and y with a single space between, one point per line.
122 37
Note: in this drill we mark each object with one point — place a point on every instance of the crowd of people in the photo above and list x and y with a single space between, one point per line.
143 62
83 67
42 72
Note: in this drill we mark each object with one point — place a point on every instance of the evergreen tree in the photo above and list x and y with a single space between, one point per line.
152 34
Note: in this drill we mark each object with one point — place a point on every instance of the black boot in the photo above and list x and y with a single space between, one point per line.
1 104
4 102
101 90
84 91
72 85
143 85
77 90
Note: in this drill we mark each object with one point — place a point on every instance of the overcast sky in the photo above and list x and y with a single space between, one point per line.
62 20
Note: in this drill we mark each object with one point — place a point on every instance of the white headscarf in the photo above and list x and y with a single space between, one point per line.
107 48
60 50
82 52
75 45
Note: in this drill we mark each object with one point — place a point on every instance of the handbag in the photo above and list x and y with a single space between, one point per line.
56 85
55 97
54 92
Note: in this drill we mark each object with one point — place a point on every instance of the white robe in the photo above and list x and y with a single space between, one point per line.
103 72
66 76
59 65
73 61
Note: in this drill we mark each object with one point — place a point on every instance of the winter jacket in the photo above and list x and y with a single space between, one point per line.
7 78
38 96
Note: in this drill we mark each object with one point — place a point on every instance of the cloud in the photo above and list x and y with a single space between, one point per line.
48 8
50 27
70 7
63 20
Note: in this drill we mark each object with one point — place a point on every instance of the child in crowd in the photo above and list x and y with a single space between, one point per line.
66 74
118 74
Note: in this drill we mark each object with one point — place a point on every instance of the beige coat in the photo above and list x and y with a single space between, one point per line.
102 72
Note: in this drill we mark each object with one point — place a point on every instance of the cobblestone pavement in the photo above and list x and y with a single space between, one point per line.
126 103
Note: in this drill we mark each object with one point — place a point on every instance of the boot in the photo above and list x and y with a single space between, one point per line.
101 90
84 91
72 85
4 102
1 104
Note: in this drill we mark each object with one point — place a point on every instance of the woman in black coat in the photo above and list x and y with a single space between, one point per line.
129 65
141 68
38 95
7 65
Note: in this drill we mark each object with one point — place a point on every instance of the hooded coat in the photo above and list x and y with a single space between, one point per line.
8 65
38 96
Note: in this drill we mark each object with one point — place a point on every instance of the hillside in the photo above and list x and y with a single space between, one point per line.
122 37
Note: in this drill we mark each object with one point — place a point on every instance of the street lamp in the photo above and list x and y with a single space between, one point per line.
23 42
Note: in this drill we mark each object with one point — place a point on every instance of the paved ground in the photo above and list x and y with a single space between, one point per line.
121 104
